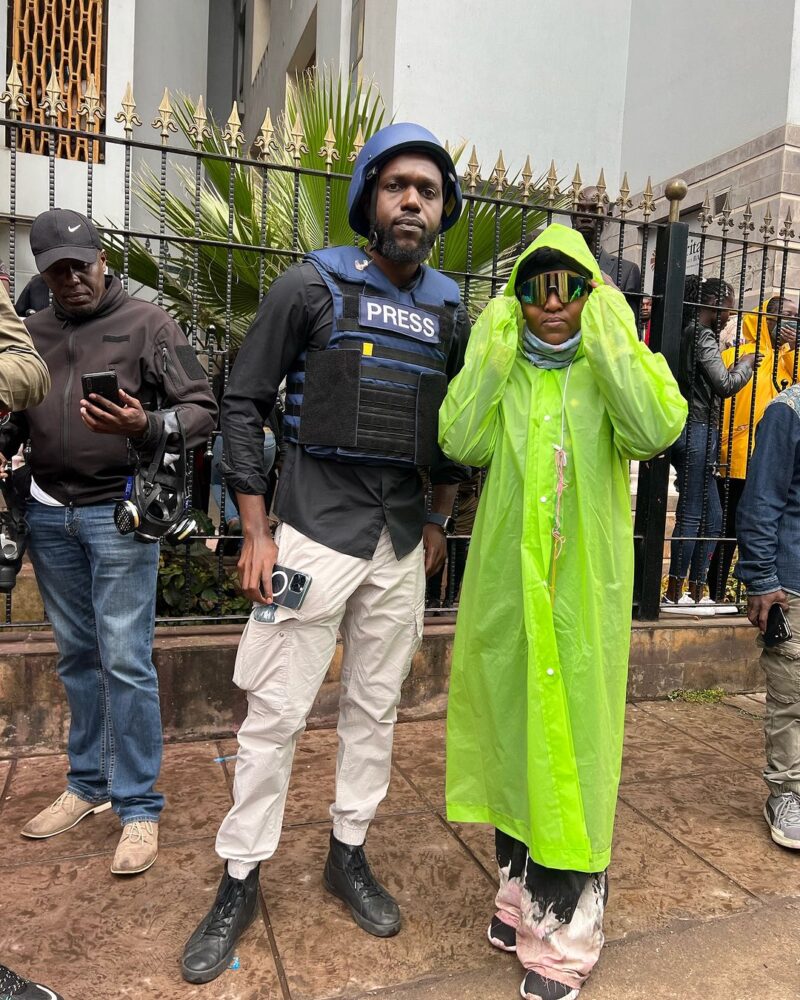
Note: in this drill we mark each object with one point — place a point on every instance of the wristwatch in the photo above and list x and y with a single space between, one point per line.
445 522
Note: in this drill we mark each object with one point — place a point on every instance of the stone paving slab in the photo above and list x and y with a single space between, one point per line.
693 871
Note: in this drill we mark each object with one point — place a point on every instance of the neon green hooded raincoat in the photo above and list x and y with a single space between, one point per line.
537 692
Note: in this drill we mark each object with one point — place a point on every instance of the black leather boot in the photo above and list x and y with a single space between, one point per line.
348 876
209 950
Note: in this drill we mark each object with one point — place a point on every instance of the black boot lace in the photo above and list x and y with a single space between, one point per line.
10 983
219 924
362 875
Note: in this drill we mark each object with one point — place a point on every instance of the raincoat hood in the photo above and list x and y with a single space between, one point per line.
566 241
757 321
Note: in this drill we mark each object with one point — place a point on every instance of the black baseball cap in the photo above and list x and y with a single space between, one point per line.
62 234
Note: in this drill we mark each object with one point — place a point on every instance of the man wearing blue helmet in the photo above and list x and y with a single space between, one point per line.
367 340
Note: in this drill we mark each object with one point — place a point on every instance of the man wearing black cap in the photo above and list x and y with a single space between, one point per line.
98 585
367 340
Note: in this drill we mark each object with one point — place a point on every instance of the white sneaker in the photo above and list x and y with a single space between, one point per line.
720 608
686 606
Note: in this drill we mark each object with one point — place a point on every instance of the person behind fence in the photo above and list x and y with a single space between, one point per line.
24 381
556 396
775 342
704 379
589 221
99 586
367 339
768 531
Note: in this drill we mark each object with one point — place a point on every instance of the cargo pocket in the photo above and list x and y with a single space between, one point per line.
263 655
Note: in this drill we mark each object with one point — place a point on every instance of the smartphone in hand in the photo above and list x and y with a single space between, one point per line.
103 384
778 628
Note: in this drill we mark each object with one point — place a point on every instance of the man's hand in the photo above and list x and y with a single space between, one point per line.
434 542
758 607
259 555
104 417
259 551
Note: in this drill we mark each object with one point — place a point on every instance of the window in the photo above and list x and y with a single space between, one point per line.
68 36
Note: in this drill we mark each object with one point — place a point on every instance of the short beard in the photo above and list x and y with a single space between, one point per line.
387 246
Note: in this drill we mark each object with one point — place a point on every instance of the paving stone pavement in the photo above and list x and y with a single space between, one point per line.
695 878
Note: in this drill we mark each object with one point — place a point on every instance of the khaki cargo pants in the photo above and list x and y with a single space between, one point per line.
781 664
378 606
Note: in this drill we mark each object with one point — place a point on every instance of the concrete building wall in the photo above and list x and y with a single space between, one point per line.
704 78
297 31
511 76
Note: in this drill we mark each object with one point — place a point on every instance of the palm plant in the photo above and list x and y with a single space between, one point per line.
254 219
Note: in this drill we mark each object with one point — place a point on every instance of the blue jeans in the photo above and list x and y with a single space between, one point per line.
231 510
699 513
99 592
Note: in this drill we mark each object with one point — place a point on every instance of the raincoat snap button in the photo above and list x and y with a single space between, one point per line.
547 416
543 499
550 672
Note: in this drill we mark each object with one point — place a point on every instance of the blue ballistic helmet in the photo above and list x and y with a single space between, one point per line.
402 137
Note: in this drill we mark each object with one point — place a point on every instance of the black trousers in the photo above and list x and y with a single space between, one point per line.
720 568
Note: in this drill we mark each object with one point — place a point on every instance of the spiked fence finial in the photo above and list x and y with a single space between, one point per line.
551 183
297 141
328 150
53 102
199 131
266 137
233 135
705 216
623 202
577 184
498 175
648 203
128 117
164 121
473 172
786 231
12 95
527 179
725 216
767 229
358 145
601 198
90 109
747 225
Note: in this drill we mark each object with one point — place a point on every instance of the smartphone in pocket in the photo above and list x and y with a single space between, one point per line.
778 628
103 384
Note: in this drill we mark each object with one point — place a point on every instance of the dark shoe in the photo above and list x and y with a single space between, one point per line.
536 987
14 987
502 935
348 876
209 950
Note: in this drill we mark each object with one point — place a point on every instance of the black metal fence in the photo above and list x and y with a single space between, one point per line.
203 226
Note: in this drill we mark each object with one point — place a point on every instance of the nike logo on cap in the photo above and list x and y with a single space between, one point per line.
73 229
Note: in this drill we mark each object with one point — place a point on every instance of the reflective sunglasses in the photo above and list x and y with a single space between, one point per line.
568 287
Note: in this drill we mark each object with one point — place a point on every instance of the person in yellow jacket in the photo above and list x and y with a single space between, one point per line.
774 328
556 395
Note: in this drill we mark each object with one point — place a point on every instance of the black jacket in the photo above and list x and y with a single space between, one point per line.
153 361
711 380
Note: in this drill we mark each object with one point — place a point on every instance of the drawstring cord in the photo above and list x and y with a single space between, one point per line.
561 484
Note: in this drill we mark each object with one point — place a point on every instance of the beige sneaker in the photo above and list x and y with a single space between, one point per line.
137 848
67 811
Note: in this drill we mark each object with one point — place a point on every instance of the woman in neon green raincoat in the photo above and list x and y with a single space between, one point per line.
537 693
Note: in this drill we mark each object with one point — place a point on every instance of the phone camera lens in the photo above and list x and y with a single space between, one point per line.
297 584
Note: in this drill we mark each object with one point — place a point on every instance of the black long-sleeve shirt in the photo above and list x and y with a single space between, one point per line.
339 504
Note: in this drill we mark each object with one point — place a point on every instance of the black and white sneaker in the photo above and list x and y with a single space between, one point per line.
536 987
14 987
502 935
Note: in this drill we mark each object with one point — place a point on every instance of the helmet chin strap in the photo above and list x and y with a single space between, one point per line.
372 216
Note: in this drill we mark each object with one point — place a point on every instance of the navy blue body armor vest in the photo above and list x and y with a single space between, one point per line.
373 395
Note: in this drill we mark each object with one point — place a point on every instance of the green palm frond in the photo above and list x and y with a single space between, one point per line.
272 212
